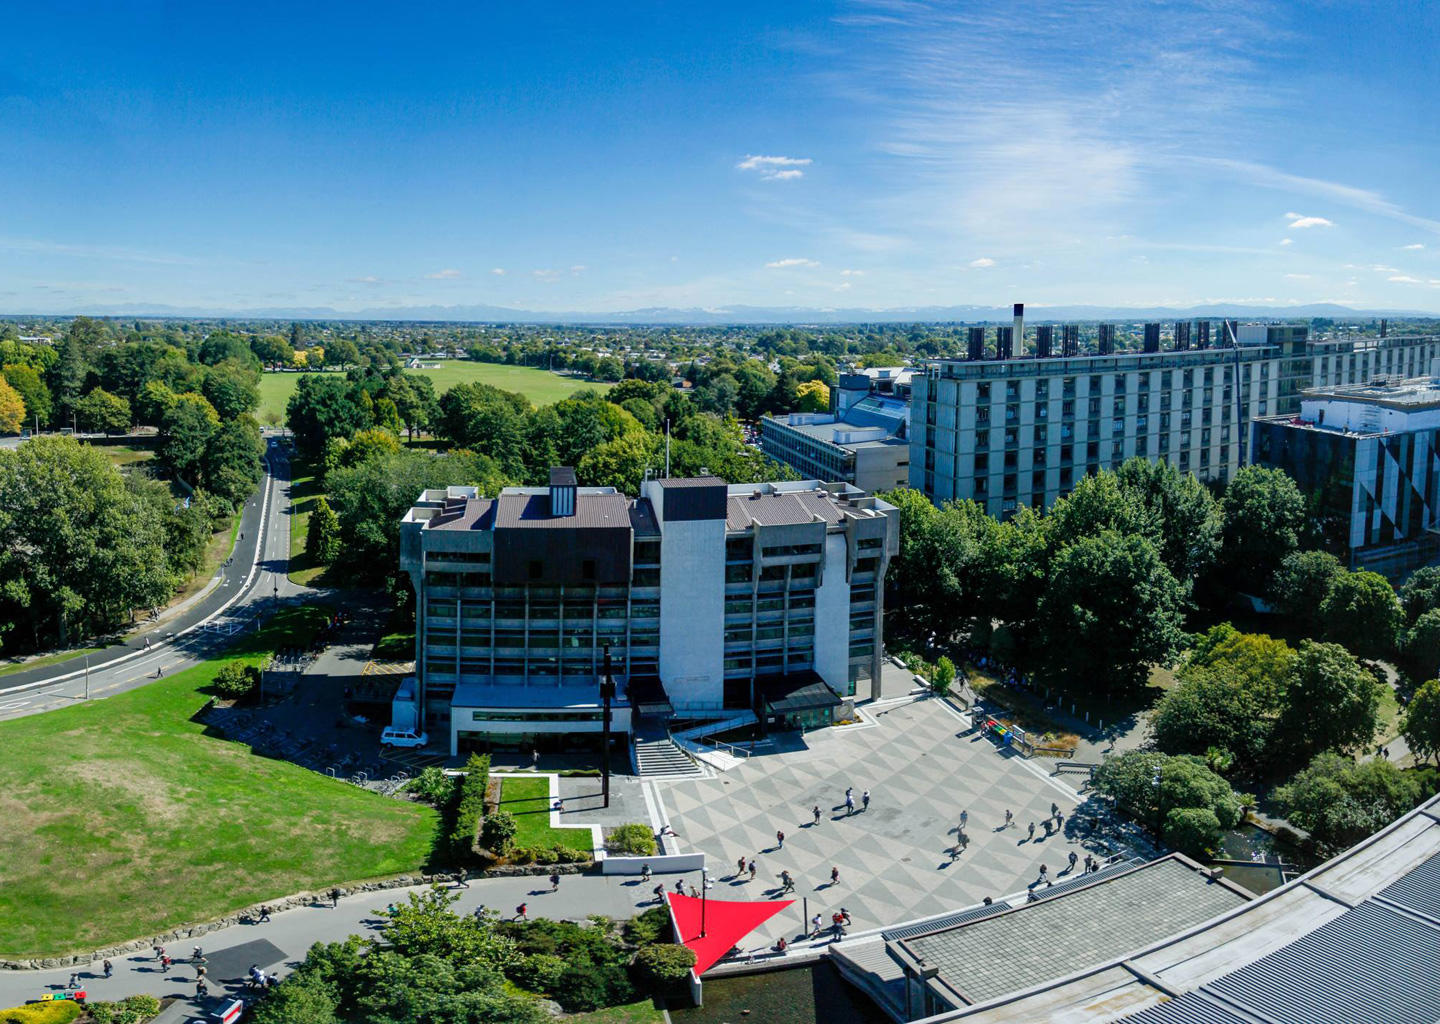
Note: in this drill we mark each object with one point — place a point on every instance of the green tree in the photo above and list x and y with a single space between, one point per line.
368 444
25 379
272 350
415 401
663 964
1110 610
1194 831
1421 724
1422 644
1187 519
12 409
1420 594
1340 802
227 346
1264 517
1362 613
231 466
102 412
70 372
812 396
155 400
487 420
1303 584
1099 503
1151 786
497 832
232 388
621 463
324 406
944 676
185 433
1331 702
755 382
322 536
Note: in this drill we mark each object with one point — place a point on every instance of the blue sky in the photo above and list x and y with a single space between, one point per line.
608 156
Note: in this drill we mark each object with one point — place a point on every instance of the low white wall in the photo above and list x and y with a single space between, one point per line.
659 864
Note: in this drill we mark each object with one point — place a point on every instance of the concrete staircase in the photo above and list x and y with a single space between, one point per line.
657 757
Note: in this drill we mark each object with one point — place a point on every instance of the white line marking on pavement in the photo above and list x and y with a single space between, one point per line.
13 705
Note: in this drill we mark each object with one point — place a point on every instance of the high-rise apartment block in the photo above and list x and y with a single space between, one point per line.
1012 432
706 595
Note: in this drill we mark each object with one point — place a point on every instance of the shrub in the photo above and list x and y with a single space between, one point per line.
1194 831
588 986
647 928
469 805
236 680
433 786
635 839
131 1010
497 832
539 972
662 964
61 1011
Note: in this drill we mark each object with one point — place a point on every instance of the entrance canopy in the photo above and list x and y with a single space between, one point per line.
801 691
726 923
647 696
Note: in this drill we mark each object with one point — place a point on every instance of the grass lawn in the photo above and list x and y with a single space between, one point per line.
643 1012
540 386
303 492
124 818
528 799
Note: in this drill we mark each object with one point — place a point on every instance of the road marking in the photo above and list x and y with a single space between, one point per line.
13 705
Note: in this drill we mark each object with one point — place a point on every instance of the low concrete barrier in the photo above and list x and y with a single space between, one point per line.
659 864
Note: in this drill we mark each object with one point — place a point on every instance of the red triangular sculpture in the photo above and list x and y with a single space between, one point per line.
726 923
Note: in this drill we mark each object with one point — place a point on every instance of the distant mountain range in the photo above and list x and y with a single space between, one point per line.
756 314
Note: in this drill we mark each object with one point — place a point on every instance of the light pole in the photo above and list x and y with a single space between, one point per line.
607 693
87 677
704 885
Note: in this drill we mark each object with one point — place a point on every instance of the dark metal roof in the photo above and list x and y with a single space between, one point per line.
1418 891
532 512
642 519
1190 1008
803 691
562 476
948 921
469 514
691 481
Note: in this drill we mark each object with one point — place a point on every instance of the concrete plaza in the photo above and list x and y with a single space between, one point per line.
923 764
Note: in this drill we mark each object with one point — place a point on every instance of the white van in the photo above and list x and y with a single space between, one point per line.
393 737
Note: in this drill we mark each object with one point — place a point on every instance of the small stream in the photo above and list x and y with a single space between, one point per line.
811 994
1263 854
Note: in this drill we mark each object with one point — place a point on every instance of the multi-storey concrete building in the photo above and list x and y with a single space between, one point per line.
706 596
1371 453
1023 431
862 440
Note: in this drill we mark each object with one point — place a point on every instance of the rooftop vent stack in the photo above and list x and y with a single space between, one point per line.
1004 342
1105 342
1182 335
975 343
1070 340
1202 334
1019 328
1043 336
562 491
1384 327
1152 338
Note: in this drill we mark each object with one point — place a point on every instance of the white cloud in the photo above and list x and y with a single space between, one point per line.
578 268
498 271
793 261
775 168
546 274
1298 277
1381 268
1404 279
1300 221
367 279
983 261
1349 195
1414 246
852 273
444 275
1287 241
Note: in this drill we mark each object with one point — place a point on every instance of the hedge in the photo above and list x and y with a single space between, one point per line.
547 855
635 839
130 1010
470 805
662 964
59 1011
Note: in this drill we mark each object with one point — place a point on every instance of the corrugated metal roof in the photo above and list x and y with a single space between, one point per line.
947 921
532 512
1190 1008
1369 964
1419 890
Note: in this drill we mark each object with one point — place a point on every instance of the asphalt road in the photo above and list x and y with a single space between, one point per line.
255 581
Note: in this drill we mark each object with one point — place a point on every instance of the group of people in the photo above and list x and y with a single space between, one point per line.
256 978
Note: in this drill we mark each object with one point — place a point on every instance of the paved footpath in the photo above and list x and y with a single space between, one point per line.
281 944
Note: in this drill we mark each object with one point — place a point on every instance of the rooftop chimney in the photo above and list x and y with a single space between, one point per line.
562 491
1019 328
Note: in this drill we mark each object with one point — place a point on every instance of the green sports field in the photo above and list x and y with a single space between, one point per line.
540 386
123 818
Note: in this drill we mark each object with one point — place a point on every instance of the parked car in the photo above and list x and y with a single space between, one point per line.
393 737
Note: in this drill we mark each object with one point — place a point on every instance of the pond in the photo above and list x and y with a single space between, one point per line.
1262 855
797 995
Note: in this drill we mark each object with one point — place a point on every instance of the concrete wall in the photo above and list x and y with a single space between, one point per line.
832 616
692 610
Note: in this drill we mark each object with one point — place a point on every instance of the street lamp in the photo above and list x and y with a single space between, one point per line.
704 885
607 694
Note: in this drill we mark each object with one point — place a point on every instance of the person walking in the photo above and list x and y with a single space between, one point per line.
165 963
849 802
963 840
815 926
752 869
964 820
1032 832
680 886
845 915
555 881
1073 859
1044 873
834 876
659 892
461 882
254 977
816 812
739 867
1009 818
1054 809
779 840
865 800
200 971
74 981
787 884
334 898
264 915
644 872
522 913
837 925
109 968
534 760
